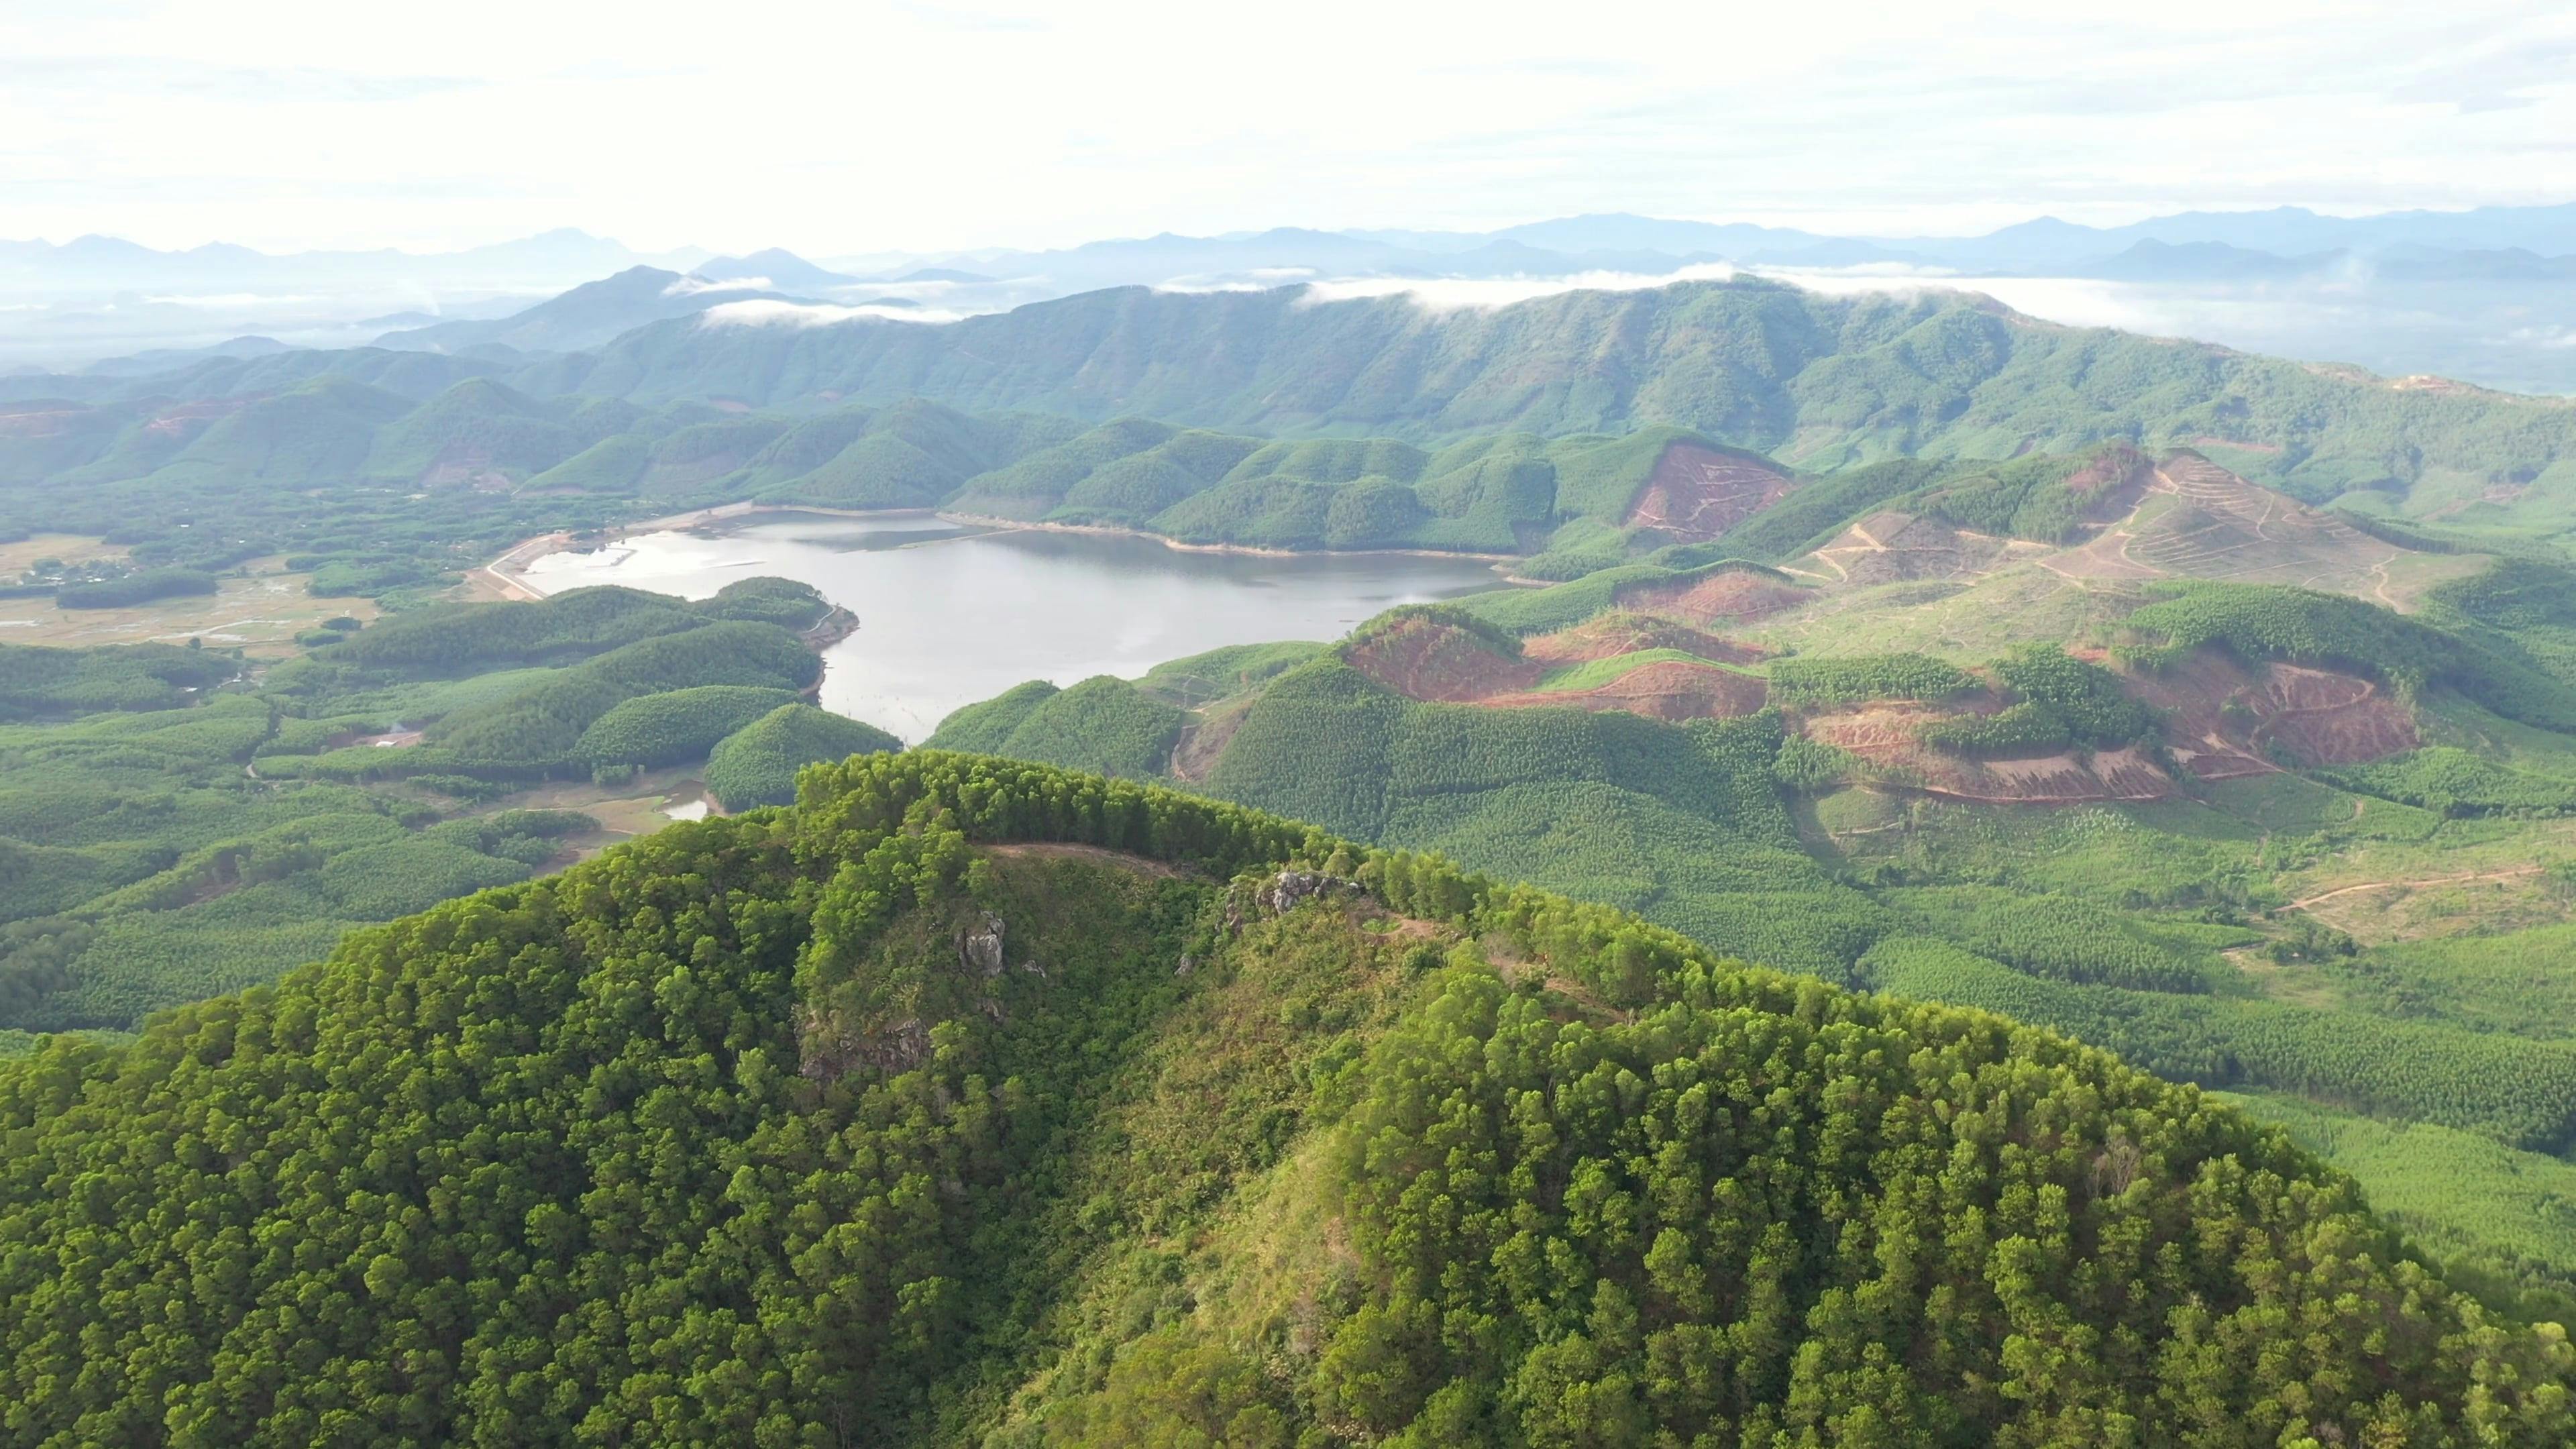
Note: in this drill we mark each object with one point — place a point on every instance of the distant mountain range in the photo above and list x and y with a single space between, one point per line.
2481 243
2476 294
1821 382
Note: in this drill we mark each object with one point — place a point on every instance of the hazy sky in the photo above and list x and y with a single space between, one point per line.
839 128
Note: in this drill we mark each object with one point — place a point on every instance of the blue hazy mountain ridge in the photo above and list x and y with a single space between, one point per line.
597 312
2402 293
772 266
95 262
113 262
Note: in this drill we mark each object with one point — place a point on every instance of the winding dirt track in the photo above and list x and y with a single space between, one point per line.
2381 885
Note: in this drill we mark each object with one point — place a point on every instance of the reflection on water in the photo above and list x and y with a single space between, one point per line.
691 809
951 615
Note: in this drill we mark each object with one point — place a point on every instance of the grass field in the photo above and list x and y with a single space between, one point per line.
259 614
1964 623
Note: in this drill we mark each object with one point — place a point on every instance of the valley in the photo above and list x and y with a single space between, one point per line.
950 614
1088 820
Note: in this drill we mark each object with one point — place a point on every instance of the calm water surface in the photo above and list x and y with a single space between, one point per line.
948 616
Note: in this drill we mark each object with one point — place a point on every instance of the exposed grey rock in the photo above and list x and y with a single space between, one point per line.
1188 964
1292 888
981 949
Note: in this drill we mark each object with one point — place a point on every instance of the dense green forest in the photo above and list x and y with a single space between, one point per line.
909 1116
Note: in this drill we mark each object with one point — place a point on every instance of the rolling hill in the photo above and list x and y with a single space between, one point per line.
969 1100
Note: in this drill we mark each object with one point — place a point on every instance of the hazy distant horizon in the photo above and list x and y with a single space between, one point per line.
295 125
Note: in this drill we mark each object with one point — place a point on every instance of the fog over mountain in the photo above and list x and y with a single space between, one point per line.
2485 295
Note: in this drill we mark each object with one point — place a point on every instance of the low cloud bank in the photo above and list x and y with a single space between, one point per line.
698 286
769 312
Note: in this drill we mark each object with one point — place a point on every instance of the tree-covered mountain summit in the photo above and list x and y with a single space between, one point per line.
978 1102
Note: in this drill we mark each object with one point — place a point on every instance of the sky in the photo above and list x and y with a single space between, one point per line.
872 127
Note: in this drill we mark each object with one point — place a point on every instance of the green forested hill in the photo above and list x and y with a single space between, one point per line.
1830 381
917 1115
884 414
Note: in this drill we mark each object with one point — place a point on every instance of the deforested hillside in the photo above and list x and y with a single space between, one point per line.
2214 826
974 1102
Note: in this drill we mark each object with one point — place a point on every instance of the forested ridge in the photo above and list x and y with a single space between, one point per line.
1266 419
873 1122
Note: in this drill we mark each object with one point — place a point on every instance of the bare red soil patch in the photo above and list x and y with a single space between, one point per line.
1665 690
1886 736
187 419
1892 547
36 422
1203 740
1612 635
1739 595
1696 494
2112 482
2223 719
1427 660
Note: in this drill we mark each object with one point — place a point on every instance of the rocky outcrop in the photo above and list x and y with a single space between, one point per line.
1292 888
1283 892
979 946
828 1050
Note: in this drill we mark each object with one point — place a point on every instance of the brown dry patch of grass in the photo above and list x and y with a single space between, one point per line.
1095 854
1611 635
71 548
1665 690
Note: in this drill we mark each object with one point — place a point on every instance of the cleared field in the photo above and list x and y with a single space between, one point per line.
625 812
1968 623
2197 520
1696 494
260 615
17 558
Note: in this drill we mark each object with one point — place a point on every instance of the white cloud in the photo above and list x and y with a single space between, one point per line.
1448 294
694 286
1845 114
230 301
770 312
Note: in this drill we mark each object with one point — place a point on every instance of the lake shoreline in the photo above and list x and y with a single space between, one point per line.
506 571
956 613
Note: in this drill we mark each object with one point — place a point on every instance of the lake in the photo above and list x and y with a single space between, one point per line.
951 615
